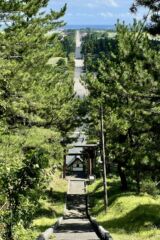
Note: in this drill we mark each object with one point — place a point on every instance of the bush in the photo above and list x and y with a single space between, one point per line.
24 234
149 186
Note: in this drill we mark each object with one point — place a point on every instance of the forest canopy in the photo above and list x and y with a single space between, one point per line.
37 107
124 79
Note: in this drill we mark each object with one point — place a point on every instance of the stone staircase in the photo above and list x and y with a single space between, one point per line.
75 224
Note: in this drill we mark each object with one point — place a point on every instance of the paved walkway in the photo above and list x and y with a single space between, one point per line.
75 224
79 88
76 186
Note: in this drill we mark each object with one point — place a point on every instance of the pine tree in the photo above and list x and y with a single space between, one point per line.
154 9
37 105
127 84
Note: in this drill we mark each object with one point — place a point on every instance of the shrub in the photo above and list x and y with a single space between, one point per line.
24 234
149 186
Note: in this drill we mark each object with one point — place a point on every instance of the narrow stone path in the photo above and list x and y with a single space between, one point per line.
75 224
79 89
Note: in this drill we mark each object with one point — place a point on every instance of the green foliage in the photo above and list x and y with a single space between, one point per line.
37 108
22 233
154 8
129 216
51 204
19 187
95 45
68 42
126 82
149 186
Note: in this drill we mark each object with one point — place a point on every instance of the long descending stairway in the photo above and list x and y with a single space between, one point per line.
75 224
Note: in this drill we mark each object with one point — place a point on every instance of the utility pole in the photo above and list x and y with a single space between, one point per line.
64 163
103 156
64 145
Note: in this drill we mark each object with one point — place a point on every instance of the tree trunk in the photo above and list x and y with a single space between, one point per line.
9 227
103 156
64 164
121 172
138 179
108 164
9 235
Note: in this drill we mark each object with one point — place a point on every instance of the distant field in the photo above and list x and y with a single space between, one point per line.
111 34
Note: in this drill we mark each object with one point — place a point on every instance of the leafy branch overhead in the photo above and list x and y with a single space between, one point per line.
154 14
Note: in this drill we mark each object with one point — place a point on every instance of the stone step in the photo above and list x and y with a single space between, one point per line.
76 202
77 229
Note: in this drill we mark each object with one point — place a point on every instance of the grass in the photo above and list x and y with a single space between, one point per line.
52 206
130 216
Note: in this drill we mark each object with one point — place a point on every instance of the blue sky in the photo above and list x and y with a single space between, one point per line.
99 12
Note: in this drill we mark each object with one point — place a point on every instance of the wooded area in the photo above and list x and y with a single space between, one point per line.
39 109
125 80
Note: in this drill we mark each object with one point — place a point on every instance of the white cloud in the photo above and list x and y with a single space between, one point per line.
100 3
80 14
106 14
121 16
69 14
113 3
91 5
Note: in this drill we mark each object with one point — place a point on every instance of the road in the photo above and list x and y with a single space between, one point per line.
79 89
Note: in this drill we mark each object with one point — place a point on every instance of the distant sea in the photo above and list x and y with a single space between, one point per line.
94 27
